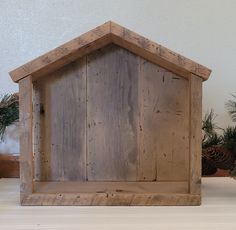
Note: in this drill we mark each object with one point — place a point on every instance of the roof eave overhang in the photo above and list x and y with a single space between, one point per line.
101 36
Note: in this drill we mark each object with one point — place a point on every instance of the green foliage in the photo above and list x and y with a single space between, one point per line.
231 107
229 135
213 139
229 139
9 112
210 136
208 124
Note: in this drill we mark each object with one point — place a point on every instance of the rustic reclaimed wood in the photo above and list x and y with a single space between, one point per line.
110 199
26 142
112 187
112 114
63 140
111 118
164 124
149 114
156 53
110 32
195 134
39 162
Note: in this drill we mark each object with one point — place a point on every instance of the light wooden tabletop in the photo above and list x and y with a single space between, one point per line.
218 211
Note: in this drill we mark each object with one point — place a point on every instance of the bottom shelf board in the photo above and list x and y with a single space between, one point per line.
105 199
112 187
110 193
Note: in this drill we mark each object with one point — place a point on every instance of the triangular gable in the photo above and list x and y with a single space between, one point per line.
110 32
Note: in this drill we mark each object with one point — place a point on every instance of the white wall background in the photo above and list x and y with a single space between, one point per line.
203 30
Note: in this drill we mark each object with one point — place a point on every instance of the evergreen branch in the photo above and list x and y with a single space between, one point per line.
9 112
231 107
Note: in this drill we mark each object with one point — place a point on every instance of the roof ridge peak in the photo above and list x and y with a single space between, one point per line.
110 32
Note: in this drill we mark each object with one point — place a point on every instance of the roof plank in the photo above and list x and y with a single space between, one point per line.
110 32
64 54
156 53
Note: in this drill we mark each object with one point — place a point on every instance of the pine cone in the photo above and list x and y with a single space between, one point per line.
207 167
219 157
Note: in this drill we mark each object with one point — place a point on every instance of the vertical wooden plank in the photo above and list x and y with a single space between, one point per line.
26 148
164 125
148 135
42 156
112 114
41 127
37 133
63 122
68 134
195 134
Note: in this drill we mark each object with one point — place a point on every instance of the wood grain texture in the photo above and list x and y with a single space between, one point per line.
131 103
112 114
26 142
63 124
38 123
111 128
156 53
195 134
164 124
112 187
110 32
9 166
124 199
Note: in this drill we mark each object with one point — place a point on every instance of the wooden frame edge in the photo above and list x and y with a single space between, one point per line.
28 197
166 57
195 92
26 137
105 199
64 54
100 36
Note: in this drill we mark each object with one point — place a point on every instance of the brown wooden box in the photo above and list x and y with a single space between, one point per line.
9 165
110 118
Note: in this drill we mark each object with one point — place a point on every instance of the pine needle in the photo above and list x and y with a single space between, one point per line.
9 112
231 107
209 128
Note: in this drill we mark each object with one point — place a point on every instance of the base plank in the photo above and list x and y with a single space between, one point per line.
105 199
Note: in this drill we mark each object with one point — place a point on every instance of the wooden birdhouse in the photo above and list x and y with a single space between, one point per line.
110 118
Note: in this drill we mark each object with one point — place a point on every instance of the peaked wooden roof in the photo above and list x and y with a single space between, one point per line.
110 32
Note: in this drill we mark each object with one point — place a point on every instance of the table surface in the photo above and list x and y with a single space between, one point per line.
218 211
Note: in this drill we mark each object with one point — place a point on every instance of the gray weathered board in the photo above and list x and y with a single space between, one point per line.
111 116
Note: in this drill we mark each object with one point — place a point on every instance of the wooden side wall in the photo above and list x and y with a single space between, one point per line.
111 116
195 134
26 141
